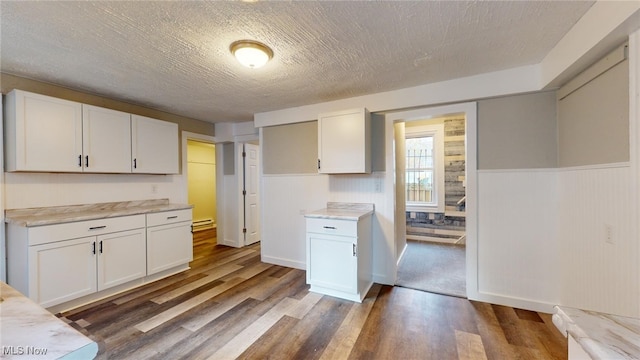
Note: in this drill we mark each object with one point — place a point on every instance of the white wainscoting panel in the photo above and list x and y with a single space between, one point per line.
228 213
285 200
599 275
518 252
376 188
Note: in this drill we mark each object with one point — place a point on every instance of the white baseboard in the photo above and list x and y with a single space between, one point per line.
434 239
231 243
514 302
284 262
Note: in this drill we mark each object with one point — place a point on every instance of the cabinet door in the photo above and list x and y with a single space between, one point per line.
62 271
43 133
121 258
168 246
106 140
332 262
344 144
154 146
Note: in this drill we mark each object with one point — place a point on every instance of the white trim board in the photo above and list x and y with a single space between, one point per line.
471 169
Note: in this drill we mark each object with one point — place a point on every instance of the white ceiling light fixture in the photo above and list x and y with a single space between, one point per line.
250 53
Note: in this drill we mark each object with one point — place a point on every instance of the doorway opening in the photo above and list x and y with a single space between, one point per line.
201 191
435 199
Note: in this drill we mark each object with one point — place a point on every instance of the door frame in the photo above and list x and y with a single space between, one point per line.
185 136
470 109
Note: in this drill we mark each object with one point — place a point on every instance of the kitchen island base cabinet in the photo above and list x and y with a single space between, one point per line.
339 257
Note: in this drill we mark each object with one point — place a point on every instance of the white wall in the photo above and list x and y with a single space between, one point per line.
26 190
228 212
3 247
598 275
285 200
634 136
518 250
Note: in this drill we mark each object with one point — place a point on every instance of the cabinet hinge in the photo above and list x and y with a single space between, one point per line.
244 192
318 164
244 231
244 154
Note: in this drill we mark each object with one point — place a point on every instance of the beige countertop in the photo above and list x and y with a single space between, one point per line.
30 332
342 211
72 213
602 336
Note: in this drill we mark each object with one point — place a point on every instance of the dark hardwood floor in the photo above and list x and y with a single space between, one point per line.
230 305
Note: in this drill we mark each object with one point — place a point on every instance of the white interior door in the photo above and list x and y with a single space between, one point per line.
251 188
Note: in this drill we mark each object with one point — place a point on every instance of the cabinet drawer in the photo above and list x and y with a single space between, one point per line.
50 233
332 227
168 217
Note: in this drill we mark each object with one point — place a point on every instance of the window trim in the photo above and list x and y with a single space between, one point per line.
437 130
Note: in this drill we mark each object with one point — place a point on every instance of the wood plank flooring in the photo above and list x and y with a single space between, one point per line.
230 305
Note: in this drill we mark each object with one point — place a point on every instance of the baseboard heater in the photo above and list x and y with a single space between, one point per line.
203 224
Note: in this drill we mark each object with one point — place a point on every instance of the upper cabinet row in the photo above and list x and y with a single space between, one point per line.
344 142
48 134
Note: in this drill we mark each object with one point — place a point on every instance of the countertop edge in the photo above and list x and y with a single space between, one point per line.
591 342
104 214
354 217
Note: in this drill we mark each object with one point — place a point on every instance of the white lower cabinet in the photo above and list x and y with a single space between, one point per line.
61 271
72 262
53 264
332 262
169 240
121 258
339 257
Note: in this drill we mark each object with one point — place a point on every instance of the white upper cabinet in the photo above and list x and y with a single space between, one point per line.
344 142
106 140
42 133
154 146
47 134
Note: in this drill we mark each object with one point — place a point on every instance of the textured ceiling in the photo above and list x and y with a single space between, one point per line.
174 56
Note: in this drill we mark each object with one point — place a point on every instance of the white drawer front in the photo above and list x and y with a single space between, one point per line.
168 217
51 233
332 227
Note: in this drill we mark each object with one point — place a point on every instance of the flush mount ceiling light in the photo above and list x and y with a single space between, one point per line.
252 54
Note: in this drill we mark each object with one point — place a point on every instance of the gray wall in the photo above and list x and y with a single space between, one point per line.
593 121
290 149
518 132
293 148
228 159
